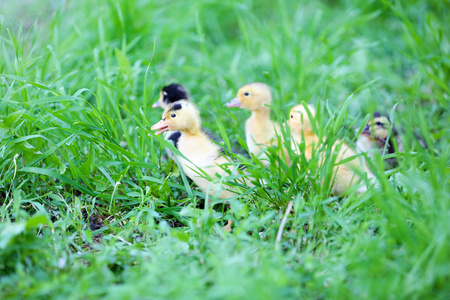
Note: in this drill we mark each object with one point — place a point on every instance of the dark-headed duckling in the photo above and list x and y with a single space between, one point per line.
196 146
379 135
170 94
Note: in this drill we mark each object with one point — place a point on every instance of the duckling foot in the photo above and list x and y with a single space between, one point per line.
227 227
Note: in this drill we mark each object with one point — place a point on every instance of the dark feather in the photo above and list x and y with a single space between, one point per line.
174 92
174 137
175 107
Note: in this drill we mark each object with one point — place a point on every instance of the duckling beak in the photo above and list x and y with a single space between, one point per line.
156 104
161 126
234 103
366 130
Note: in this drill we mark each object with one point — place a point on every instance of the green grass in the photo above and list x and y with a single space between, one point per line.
90 207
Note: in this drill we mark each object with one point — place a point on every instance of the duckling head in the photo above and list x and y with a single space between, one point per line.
381 126
179 116
252 96
299 121
170 94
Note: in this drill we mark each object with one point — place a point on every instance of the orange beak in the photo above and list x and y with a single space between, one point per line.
159 102
234 103
161 126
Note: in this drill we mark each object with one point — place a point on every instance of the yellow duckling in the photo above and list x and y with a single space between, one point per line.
344 175
196 146
260 131
170 94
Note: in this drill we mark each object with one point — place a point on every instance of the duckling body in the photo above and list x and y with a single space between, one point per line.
344 175
200 152
260 131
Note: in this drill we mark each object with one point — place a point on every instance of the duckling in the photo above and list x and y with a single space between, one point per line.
170 94
260 131
379 134
201 153
346 174
383 139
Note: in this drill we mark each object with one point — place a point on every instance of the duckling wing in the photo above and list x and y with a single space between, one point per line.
219 142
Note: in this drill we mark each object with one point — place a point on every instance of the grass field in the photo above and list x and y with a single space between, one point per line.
92 208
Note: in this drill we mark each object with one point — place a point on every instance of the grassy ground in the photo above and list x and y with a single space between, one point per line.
90 209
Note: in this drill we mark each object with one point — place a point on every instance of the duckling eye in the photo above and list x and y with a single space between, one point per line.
379 123
173 115
292 116
246 94
164 93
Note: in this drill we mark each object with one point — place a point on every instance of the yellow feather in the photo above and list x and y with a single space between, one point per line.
344 175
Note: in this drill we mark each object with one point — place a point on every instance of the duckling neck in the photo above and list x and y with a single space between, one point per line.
261 113
193 131
308 137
